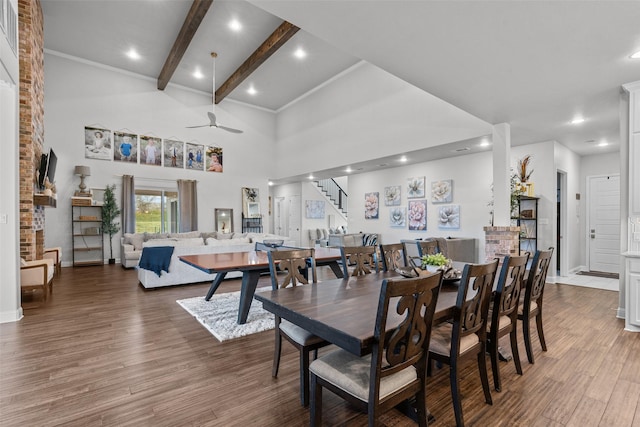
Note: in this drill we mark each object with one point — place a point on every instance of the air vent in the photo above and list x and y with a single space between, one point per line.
381 165
460 150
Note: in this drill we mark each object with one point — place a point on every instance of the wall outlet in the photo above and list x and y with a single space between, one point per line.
3 218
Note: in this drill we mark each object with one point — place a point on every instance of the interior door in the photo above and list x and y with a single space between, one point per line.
278 215
294 218
604 223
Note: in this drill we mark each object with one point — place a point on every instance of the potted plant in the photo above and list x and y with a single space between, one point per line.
434 262
110 212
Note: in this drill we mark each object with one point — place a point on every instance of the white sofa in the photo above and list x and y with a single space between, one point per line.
181 273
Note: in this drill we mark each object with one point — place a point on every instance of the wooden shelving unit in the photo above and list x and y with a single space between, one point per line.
527 220
42 200
86 235
251 225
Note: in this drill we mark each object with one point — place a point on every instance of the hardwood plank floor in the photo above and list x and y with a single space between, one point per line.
102 351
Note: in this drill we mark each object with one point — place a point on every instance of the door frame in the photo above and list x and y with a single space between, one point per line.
588 213
563 250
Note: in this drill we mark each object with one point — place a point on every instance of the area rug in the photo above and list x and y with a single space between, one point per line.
220 314
599 274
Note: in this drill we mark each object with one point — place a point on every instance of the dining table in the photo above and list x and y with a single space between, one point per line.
252 264
343 311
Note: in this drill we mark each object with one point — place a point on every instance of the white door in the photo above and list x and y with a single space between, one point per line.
604 223
279 216
294 218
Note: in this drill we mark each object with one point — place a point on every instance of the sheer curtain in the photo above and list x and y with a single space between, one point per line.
188 201
128 205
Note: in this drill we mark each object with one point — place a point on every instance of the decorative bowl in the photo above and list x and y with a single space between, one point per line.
273 243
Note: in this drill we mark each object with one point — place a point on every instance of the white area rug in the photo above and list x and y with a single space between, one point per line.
220 314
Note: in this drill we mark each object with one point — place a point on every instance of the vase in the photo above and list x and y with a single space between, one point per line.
432 268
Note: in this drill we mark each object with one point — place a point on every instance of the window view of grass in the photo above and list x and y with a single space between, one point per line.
149 207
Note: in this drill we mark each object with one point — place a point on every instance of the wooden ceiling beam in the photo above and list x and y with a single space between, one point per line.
279 37
191 23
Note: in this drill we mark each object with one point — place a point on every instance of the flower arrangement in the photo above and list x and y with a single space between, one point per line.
524 173
438 260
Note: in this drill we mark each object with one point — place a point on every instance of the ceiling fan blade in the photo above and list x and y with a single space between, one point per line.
228 129
212 118
200 126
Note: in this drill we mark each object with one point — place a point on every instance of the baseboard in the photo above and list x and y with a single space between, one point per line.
620 313
11 316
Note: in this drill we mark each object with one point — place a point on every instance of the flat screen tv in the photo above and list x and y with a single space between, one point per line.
47 168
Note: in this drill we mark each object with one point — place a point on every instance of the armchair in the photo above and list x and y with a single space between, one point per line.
37 274
56 255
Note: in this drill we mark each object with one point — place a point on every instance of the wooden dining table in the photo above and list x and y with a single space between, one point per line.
252 264
343 311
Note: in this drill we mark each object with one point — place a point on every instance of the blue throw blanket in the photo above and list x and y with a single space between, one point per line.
156 259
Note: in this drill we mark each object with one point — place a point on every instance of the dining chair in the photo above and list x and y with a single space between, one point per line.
294 263
396 368
503 314
362 257
465 336
37 275
531 306
393 256
427 247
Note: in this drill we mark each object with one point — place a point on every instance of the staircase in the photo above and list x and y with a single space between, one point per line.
334 193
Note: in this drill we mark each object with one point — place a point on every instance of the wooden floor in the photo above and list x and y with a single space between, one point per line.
103 351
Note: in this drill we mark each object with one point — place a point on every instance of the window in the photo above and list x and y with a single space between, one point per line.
156 211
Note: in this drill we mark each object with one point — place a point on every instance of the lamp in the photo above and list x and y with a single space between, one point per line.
82 171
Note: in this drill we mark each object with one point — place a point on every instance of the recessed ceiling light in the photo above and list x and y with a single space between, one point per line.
198 74
577 120
252 90
603 143
348 170
300 53
485 143
270 182
133 54
235 25
310 176
403 158
635 55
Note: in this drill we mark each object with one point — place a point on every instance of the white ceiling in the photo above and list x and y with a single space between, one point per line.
532 64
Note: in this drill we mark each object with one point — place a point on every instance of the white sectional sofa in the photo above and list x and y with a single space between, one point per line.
182 273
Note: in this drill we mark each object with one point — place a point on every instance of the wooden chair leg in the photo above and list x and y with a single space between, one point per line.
421 407
495 368
484 377
276 353
527 338
455 393
540 330
514 349
304 377
315 413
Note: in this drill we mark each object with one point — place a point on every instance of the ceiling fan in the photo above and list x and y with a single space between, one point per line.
212 116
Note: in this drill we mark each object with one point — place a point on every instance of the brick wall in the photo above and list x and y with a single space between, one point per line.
501 241
31 57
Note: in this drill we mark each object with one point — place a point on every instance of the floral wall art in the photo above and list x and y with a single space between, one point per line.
449 217
392 195
371 210
398 217
415 187
442 191
417 215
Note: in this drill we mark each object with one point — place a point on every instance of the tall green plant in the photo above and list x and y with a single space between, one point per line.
110 212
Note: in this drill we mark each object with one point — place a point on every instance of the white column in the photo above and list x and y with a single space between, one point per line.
501 174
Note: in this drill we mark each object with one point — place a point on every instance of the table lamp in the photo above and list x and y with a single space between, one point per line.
82 171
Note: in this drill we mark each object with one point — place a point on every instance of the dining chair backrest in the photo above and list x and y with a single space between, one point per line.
427 247
295 263
364 258
407 343
537 277
510 286
472 304
393 256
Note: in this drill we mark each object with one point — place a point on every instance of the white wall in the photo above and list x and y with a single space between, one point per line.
365 114
471 177
79 94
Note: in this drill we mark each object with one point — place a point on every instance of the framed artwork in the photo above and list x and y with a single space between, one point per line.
417 215
125 147
150 153
173 153
250 196
314 208
442 191
194 156
392 196
449 217
415 188
398 217
97 143
223 220
214 159
371 210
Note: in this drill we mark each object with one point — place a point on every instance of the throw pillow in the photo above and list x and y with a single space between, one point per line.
206 235
224 236
134 239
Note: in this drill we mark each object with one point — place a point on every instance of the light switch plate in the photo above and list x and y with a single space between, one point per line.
543 221
3 219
